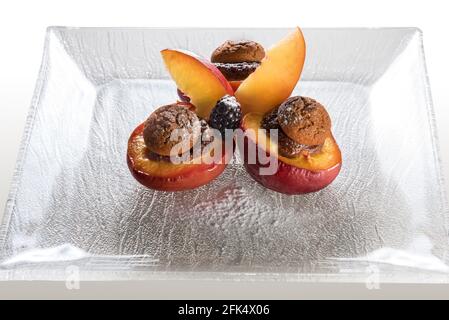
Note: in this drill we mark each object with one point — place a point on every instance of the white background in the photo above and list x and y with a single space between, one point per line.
22 31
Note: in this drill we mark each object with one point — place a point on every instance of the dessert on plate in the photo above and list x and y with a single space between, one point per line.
175 150
243 86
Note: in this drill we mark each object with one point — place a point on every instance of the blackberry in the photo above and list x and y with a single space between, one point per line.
227 114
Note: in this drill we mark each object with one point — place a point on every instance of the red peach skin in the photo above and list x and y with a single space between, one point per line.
293 180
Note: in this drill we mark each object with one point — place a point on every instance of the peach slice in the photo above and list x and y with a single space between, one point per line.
276 77
235 84
197 78
166 176
294 175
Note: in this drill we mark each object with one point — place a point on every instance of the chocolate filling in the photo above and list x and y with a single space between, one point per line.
237 71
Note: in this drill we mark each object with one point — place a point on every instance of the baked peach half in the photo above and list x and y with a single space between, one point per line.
161 174
302 174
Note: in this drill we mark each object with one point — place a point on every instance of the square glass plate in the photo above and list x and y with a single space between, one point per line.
73 203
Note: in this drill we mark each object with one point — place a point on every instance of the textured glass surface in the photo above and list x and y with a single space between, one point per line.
73 202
